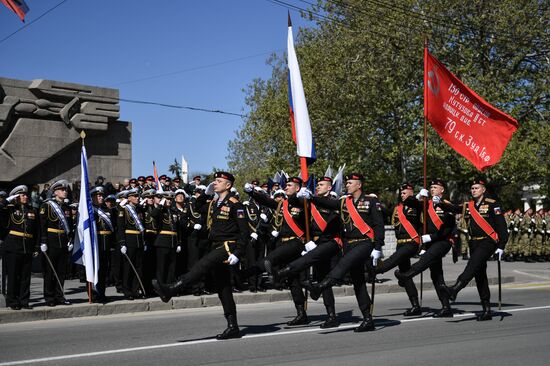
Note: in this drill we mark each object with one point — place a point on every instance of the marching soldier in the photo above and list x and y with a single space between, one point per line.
363 224
320 252
228 235
197 241
182 210
130 235
488 236
149 201
168 240
289 219
56 232
105 219
435 243
408 229
256 246
21 243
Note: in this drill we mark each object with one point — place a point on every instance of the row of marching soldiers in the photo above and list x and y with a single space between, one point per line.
351 227
529 236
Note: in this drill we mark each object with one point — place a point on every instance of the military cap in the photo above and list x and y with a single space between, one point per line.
163 177
255 182
176 180
122 194
180 191
234 191
479 180
3 194
60 184
150 178
132 192
264 185
97 190
141 178
197 177
200 187
166 194
438 182
326 179
296 180
18 190
74 205
101 177
355 176
148 193
406 185
278 193
168 179
225 175
110 197
133 180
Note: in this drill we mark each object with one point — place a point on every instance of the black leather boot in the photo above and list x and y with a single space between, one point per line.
415 309
446 311
486 313
232 330
452 291
301 317
284 272
367 325
317 289
332 321
166 292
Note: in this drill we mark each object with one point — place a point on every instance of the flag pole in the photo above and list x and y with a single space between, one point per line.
425 161
305 177
89 284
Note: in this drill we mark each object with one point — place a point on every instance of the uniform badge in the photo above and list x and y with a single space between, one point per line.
497 211
240 214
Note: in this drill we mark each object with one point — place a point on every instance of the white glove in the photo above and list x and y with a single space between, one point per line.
375 255
529 231
422 252
43 247
274 233
263 217
436 199
248 187
210 189
178 249
499 252
197 226
547 231
304 193
304 252
254 236
162 202
123 202
424 192
142 201
11 198
123 249
232 259
516 230
70 247
310 246
145 248
426 238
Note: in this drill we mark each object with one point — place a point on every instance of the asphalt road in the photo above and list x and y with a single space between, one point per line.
518 335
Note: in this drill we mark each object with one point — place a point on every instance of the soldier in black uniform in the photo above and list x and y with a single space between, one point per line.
182 210
228 235
168 241
105 222
21 243
363 224
56 236
149 201
488 236
256 246
408 229
289 220
130 235
435 244
320 252
197 240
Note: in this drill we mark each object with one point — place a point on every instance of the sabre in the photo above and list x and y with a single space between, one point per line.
499 286
54 273
421 286
372 295
136 273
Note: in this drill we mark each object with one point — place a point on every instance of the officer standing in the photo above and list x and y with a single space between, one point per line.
228 236
197 240
21 243
361 217
149 201
56 233
488 236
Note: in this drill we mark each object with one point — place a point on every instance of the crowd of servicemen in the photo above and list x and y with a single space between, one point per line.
182 239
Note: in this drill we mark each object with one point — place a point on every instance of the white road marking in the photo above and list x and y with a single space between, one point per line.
532 275
252 336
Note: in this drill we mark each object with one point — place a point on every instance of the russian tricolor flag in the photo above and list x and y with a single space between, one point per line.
299 117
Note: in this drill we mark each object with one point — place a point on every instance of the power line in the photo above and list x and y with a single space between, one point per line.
33 21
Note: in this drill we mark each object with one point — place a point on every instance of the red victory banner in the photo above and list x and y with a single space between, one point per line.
474 128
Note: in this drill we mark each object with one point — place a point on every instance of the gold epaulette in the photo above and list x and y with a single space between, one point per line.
446 201
490 200
233 199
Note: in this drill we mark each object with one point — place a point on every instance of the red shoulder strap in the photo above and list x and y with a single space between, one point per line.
319 220
433 215
290 221
409 228
483 224
358 221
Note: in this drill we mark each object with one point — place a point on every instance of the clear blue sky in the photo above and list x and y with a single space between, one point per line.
108 43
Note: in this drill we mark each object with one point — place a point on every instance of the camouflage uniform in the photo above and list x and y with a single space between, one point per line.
525 232
539 231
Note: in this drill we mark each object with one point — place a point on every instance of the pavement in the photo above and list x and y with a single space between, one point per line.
518 335
512 272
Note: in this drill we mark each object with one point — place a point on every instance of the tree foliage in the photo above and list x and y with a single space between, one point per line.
362 70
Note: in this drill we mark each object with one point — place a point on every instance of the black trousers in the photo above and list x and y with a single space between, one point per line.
356 255
166 264
321 258
149 263
213 263
59 258
480 252
433 259
402 258
130 283
255 251
19 278
197 247
103 270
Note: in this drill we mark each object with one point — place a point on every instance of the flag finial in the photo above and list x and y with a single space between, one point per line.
289 21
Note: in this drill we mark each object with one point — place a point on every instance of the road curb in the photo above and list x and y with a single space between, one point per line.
184 302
